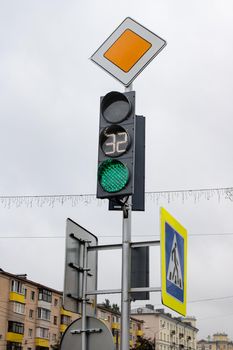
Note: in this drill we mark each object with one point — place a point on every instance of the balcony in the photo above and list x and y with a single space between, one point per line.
14 337
139 333
63 327
14 296
44 304
44 343
115 325
65 312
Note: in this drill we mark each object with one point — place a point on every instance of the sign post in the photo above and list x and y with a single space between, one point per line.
126 52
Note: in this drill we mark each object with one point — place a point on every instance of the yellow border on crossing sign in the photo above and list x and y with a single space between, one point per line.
173 295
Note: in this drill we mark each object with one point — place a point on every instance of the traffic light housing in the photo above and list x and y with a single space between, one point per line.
116 153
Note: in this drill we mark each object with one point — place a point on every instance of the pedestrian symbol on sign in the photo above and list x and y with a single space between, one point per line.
174 274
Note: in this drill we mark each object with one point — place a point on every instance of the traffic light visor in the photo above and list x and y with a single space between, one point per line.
115 107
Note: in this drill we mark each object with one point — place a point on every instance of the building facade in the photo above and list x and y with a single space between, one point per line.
167 332
219 341
32 316
112 319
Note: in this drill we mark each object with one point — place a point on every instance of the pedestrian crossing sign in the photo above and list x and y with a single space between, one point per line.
173 245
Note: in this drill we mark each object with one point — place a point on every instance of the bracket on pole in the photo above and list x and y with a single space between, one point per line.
87 331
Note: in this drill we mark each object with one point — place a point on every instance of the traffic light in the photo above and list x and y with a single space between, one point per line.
116 145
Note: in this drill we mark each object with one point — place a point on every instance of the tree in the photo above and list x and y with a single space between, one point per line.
115 308
144 344
107 304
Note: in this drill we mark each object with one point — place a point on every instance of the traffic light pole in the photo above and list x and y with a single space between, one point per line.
126 263
125 287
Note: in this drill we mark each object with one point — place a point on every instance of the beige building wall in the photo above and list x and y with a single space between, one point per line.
4 297
31 315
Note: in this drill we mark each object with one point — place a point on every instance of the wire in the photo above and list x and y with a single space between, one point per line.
93 194
215 316
210 299
111 236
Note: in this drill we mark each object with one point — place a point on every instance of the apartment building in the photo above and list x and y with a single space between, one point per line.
32 316
167 332
112 319
219 341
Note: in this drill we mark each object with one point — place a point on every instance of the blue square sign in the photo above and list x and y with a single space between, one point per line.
173 263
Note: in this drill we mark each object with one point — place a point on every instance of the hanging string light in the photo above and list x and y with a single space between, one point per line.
76 199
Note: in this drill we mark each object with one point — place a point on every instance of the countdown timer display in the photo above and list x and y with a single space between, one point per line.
114 141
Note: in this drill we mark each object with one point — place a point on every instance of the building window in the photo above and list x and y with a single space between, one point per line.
30 313
42 333
13 346
17 287
15 327
55 320
45 295
30 333
32 295
19 308
55 302
54 337
65 320
43 314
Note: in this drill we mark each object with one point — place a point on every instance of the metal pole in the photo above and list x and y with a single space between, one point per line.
84 320
125 287
126 266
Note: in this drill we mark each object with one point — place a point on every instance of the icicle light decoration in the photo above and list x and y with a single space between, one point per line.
86 199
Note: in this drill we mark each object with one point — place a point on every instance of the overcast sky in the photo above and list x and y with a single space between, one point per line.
49 113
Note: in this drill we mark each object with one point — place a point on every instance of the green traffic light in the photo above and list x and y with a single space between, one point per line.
113 175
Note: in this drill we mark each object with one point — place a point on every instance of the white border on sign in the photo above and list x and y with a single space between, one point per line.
126 78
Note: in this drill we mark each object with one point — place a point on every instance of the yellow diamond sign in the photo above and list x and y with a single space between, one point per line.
128 50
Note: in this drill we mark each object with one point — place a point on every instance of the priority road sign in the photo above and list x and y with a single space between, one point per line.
173 263
128 50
